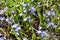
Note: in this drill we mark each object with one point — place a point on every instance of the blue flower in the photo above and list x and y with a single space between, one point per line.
51 24
32 8
17 28
1 38
2 18
53 13
43 34
25 38
46 30
15 25
54 26
9 22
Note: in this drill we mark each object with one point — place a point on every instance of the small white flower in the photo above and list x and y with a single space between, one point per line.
20 14
29 16
12 11
12 20
48 13
58 4
40 28
29 28
19 28
5 8
17 33
15 25
24 11
38 3
44 14
1 34
21 3
30 20
1 11
25 38
7 19
58 18
52 9
24 5
14 14
38 31
17 5
48 19
24 8
25 19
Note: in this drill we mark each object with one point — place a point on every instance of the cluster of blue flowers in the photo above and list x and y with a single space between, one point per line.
23 15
